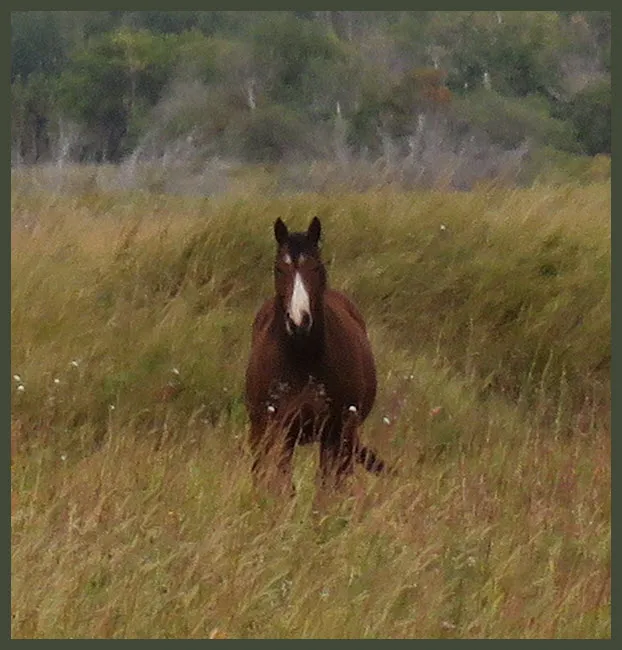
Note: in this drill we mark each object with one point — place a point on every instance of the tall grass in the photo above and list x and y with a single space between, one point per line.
133 514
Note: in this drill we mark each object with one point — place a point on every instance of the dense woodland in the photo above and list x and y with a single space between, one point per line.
488 88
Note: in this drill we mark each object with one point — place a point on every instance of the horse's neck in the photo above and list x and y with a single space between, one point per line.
305 352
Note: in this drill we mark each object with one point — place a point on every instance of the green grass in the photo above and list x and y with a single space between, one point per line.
133 512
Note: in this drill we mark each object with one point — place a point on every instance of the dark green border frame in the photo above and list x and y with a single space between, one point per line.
616 312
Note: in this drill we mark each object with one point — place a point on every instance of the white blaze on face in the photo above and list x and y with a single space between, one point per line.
299 305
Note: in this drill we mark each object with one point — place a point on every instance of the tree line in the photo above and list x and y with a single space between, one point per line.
100 86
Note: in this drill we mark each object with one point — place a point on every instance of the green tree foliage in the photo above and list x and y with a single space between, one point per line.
109 84
509 121
269 134
163 22
37 44
589 112
514 75
396 111
32 107
409 35
512 48
291 51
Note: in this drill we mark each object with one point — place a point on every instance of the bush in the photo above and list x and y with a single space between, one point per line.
269 135
508 122
590 114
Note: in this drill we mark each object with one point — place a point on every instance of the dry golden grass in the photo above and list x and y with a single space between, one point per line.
133 513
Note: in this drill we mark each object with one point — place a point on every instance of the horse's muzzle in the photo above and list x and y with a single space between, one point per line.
299 329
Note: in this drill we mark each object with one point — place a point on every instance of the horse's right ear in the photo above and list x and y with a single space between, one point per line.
281 233
314 232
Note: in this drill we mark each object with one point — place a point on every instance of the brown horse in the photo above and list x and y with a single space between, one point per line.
311 375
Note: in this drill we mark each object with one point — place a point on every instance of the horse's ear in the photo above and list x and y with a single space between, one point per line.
314 231
281 233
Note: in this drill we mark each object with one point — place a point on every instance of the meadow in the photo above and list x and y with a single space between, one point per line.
133 512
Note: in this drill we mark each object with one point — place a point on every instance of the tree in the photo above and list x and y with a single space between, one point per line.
32 108
270 134
590 113
290 51
380 73
162 22
37 44
110 83
401 110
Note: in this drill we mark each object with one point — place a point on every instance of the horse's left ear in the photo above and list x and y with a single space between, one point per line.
314 231
281 233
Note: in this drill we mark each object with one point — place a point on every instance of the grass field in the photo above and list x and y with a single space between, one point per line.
133 513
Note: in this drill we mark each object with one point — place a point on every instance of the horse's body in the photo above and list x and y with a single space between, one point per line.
311 375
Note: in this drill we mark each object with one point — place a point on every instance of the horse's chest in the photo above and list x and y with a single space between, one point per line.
300 391
302 407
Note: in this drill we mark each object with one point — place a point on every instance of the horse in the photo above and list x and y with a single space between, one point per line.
311 374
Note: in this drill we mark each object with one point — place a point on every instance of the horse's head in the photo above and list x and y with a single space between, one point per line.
299 276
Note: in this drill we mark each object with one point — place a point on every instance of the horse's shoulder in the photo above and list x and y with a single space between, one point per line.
263 317
261 353
339 303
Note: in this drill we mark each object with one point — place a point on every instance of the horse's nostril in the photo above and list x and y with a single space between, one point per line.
303 326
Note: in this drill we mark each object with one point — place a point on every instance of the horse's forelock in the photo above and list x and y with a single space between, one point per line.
298 244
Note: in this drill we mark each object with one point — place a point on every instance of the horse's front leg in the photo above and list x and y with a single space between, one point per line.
272 449
338 447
